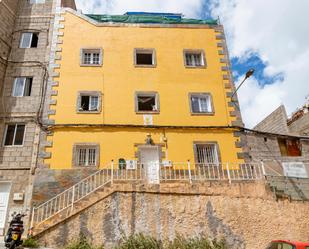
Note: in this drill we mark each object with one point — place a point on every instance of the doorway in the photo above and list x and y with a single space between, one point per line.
150 159
4 201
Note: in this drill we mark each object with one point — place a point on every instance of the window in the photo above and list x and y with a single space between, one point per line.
280 245
14 134
29 40
91 57
22 87
147 102
89 101
206 153
289 147
194 58
86 154
201 103
144 57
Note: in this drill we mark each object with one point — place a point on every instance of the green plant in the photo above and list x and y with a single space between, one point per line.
81 243
31 243
140 241
195 243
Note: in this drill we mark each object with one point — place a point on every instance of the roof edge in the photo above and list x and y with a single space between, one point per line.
144 25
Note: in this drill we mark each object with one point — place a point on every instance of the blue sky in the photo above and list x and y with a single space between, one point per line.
270 36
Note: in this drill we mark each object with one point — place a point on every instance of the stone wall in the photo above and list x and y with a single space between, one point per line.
7 19
48 183
16 162
245 214
262 147
275 122
301 125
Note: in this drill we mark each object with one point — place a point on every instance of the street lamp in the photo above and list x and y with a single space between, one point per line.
248 75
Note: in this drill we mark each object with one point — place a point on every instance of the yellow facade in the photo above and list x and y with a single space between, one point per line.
118 79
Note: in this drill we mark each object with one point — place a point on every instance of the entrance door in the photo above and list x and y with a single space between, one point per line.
4 201
151 161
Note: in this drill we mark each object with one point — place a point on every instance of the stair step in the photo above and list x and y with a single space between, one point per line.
78 206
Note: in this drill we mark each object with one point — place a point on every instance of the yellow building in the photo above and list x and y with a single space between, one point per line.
142 87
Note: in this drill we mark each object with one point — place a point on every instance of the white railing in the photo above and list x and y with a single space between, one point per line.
153 173
67 199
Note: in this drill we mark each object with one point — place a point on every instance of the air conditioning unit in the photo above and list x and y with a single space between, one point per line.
131 164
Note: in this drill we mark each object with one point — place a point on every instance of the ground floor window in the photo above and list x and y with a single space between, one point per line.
206 153
86 155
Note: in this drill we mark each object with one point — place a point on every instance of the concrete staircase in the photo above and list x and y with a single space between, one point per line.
296 189
79 206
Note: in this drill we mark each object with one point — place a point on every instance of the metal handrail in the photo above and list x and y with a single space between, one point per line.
177 171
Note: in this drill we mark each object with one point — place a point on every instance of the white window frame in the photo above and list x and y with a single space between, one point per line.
89 94
89 107
24 85
23 37
86 146
5 133
216 158
87 156
151 51
91 51
192 52
147 94
199 96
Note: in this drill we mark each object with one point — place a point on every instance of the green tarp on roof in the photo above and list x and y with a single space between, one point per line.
148 19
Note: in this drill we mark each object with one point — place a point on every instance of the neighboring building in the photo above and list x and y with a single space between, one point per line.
299 122
25 38
143 87
281 139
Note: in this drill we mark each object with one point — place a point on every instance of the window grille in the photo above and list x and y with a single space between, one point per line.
207 153
91 57
86 157
194 59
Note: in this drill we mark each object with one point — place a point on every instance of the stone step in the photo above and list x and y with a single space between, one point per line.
78 206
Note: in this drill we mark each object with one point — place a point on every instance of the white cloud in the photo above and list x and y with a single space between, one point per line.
278 31
190 8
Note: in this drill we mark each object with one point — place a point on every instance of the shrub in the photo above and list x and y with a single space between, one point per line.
31 243
140 241
81 243
195 243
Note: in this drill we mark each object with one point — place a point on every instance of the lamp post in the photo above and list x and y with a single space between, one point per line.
249 73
